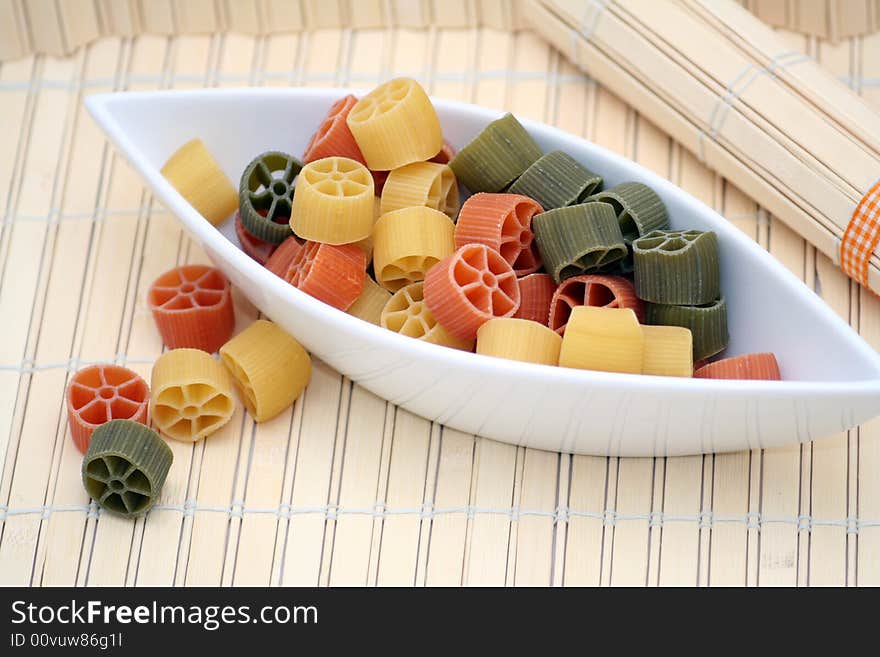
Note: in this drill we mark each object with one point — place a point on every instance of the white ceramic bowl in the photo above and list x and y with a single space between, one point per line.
832 376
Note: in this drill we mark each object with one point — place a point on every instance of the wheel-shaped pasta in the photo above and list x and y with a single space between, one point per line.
677 267
708 324
192 395
259 250
604 339
332 274
279 262
192 306
370 303
406 313
333 136
421 183
100 393
409 242
756 367
519 339
197 176
125 467
503 222
638 208
669 351
334 202
396 124
555 180
265 195
535 294
270 368
592 290
470 287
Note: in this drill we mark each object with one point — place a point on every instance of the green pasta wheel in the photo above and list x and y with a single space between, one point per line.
578 239
677 267
708 324
496 157
125 467
557 180
266 195
639 210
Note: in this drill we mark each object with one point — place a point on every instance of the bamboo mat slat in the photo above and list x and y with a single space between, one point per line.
345 489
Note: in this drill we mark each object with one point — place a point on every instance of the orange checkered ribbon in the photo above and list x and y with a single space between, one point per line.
861 236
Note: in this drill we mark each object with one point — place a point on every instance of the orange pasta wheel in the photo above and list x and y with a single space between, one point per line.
407 243
192 306
535 293
445 155
470 287
592 290
333 136
256 248
421 183
502 222
332 274
406 313
280 260
100 393
748 366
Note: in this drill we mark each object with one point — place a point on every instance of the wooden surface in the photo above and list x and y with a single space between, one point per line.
344 488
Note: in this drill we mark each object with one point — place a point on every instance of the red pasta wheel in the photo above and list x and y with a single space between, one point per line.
445 155
332 274
758 367
333 136
100 393
468 288
280 260
379 178
256 248
536 293
192 306
502 222
592 290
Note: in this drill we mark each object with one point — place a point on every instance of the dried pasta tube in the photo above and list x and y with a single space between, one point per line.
708 323
604 339
519 339
409 242
265 195
447 152
592 290
761 367
555 180
468 288
495 157
197 176
677 267
332 274
503 222
192 306
125 467
333 137
334 202
368 306
192 395
258 249
396 124
536 293
269 367
279 262
406 313
578 239
669 351
638 208
421 183
100 393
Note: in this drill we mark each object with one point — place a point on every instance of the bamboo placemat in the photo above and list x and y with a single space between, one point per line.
346 489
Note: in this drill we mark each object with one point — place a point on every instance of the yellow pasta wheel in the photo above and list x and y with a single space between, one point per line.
270 368
334 202
421 183
407 314
669 351
192 395
605 339
408 242
368 306
194 172
519 339
396 124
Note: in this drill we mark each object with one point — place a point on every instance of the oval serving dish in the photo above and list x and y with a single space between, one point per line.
832 376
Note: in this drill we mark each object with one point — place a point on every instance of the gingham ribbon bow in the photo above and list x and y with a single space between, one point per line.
861 236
